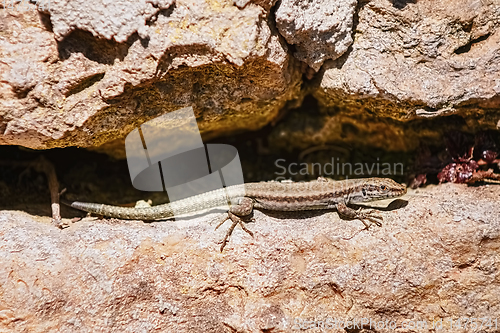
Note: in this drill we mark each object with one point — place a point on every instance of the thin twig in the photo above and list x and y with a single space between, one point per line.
41 164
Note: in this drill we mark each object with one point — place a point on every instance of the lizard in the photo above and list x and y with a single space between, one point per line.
320 194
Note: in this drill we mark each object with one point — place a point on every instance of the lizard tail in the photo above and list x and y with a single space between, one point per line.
126 213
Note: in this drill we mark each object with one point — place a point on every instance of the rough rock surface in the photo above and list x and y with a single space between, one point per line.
66 81
85 91
320 29
107 19
420 58
434 260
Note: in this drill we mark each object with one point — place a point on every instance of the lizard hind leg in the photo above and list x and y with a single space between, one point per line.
237 214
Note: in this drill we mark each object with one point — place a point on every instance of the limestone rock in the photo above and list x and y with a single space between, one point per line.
319 29
73 76
434 261
420 59
81 89
107 19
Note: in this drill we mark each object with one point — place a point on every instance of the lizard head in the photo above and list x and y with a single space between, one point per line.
370 189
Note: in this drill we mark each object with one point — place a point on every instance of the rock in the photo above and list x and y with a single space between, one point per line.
417 59
93 75
99 75
116 20
299 270
386 70
319 29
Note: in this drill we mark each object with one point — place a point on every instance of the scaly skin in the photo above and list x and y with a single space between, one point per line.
277 196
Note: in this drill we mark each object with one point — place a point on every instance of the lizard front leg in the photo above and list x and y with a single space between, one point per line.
352 214
237 214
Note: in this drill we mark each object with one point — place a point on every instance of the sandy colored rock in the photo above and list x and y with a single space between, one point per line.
319 29
116 20
77 88
420 59
80 77
436 259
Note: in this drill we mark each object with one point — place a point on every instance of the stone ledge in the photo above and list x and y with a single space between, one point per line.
436 258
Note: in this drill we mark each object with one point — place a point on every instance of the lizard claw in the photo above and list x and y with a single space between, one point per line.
370 216
364 217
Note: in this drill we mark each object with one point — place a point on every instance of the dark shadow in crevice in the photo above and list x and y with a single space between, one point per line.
3 125
178 50
144 42
88 82
166 12
23 93
401 4
45 20
466 48
96 49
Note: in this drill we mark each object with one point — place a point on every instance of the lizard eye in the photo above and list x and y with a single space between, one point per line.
383 188
364 192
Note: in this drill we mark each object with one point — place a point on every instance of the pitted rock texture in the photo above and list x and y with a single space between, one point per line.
66 81
434 260
319 29
420 59
107 19
85 91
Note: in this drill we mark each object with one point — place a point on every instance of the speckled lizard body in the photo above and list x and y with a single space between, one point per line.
276 196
